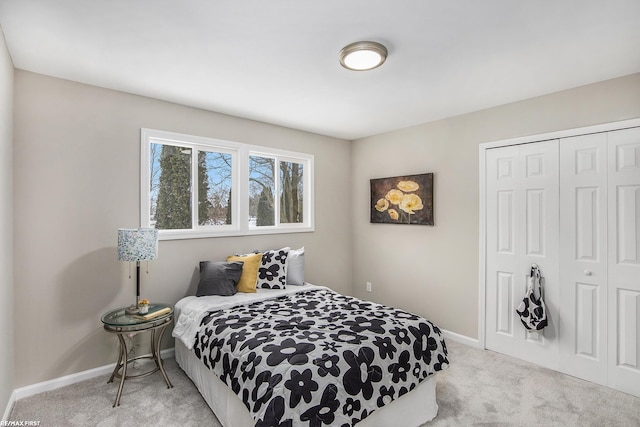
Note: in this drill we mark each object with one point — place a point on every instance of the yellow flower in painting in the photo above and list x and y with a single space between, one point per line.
382 205
411 203
393 214
394 196
408 186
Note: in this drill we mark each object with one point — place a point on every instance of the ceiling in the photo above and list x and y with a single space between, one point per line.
277 61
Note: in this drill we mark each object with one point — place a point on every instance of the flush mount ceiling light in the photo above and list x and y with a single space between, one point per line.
362 56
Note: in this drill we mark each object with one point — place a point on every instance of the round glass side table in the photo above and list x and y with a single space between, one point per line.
120 323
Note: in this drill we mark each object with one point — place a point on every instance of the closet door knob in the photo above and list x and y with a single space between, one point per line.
587 273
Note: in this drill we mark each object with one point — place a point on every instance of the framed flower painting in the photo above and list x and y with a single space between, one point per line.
402 200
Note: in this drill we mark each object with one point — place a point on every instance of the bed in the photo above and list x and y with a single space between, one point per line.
308 356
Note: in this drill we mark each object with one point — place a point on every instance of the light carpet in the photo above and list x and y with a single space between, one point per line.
480 388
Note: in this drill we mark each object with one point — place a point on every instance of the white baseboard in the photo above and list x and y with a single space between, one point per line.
55 383
463 339
7 411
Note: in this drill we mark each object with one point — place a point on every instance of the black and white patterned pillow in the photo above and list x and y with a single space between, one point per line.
272 273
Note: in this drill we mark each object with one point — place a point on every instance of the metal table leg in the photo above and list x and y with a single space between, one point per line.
117 367
125 362
158 358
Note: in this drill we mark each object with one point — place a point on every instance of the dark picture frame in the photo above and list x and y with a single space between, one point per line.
404 199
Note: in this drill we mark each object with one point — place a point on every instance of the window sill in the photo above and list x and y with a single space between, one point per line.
202 234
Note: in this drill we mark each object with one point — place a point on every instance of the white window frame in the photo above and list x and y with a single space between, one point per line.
240 186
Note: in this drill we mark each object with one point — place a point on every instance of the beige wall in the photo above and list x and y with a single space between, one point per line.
6 224
77 151
76 174
433 271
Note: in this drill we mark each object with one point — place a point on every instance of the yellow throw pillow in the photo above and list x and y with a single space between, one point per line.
249 276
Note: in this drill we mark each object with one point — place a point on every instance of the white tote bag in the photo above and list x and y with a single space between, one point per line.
532 310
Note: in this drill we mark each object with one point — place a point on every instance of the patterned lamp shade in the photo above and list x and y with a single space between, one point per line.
137 244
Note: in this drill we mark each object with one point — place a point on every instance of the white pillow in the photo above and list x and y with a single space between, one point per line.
295 267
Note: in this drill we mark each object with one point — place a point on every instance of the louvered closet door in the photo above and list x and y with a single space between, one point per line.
522 228
583 252
624 260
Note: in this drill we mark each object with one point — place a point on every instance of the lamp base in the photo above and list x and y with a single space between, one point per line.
132 309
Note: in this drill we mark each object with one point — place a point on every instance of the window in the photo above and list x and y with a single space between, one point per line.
203 187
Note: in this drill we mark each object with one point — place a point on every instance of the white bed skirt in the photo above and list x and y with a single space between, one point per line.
411 410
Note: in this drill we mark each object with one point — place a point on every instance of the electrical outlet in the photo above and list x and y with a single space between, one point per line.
368 286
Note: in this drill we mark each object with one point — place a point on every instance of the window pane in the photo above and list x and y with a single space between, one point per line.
214 188
291 192
170 187
261 191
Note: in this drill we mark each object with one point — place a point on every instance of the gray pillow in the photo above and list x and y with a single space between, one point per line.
295 267
219 278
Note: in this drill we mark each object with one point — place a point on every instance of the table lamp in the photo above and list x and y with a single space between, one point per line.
137 244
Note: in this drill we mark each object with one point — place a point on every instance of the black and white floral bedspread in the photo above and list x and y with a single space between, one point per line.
318 358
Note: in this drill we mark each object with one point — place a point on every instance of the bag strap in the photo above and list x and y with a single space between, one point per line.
536 279
535 270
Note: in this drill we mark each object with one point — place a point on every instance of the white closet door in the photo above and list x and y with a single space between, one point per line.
624 260
504 280
583 256
522 228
